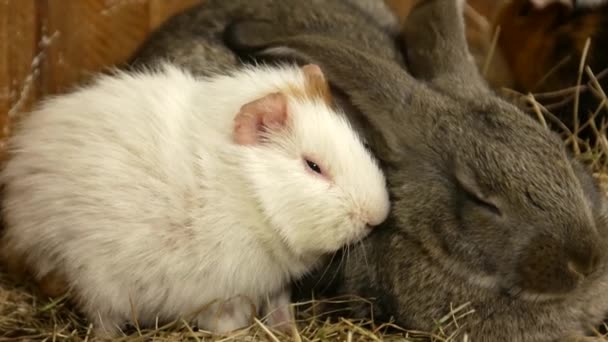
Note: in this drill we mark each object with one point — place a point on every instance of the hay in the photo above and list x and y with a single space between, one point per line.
25 315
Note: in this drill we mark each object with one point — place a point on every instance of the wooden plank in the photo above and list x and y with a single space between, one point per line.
18 71
4 76
48 46
92 34
22 52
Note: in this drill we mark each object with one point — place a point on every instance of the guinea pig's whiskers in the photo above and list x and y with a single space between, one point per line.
364 252
347 253
327 267
344 252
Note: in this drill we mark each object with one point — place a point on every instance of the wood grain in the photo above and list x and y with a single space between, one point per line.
48 46
4 76
19 36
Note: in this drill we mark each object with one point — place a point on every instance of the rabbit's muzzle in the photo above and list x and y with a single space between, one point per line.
552 266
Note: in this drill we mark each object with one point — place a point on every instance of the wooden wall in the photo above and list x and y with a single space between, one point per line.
47 45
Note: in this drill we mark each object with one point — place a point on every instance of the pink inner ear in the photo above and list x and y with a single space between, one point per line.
268 112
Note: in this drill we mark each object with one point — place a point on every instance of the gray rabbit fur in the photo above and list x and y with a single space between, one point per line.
488 206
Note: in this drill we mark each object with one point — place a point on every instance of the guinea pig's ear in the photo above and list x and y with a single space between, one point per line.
317 85
258 116
313 73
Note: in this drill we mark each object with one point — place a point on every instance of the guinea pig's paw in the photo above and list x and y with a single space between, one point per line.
53 285
279 313
227 316
229 323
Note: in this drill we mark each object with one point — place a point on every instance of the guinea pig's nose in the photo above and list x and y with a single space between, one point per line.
378 214
372 224
375 220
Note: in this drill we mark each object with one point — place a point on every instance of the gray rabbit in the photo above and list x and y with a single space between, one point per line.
489 208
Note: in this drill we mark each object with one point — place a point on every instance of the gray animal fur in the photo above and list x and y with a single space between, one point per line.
488 207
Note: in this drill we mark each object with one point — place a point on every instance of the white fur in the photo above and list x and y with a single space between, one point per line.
134 189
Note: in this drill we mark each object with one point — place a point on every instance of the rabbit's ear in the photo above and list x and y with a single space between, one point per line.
437 51
381 90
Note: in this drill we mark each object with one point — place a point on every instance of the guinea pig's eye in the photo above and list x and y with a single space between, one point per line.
313 166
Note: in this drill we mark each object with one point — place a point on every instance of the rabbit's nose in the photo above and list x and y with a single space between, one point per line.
553 266
584 261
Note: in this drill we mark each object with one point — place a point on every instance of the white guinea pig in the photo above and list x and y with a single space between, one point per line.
162 196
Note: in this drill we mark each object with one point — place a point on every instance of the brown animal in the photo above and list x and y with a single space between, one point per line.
543 43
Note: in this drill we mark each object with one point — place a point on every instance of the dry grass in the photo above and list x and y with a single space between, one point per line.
592 152
24 315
